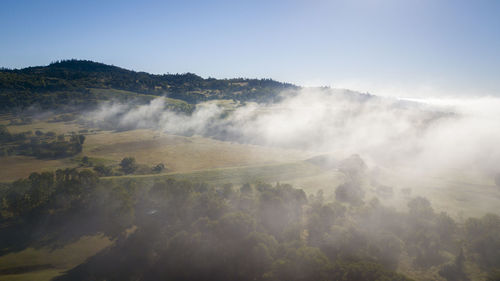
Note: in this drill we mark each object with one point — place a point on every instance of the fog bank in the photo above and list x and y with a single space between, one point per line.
428 135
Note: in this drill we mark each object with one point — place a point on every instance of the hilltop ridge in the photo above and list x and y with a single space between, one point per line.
49 86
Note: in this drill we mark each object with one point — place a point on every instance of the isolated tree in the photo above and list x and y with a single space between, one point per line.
128 165
85 161
159 168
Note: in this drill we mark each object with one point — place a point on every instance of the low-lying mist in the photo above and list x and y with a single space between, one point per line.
426 135
352 219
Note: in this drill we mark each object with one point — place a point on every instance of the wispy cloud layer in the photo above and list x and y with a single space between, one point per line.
425 134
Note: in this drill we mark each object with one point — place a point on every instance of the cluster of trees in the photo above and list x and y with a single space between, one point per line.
68 83
6 136
193 231
54 208
41 192
55 149
127 166
39 144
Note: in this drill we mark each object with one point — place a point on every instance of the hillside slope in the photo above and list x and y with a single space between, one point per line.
69 82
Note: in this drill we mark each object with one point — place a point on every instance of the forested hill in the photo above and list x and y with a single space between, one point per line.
71 81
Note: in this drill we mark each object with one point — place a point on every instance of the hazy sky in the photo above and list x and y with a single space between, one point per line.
390 47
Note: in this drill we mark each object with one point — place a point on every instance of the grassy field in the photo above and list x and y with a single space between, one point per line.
45 263
216 162
149 147
460 194
182 154
272 173
57 127
204 159
39 275
15 167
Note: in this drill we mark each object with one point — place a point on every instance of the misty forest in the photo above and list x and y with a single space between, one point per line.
112 174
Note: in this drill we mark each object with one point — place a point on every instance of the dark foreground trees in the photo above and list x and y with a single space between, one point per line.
175 230
189 231
183 231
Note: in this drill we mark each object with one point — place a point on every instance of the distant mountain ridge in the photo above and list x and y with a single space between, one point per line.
50 85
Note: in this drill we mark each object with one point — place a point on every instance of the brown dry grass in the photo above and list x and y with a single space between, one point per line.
57 127
15 167
150 147
182 154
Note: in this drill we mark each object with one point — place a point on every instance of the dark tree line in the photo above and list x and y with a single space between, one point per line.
193 231
68 82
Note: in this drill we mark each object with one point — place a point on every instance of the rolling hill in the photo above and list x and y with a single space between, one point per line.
70 82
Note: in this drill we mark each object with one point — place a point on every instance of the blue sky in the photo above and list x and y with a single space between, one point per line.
389 47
